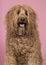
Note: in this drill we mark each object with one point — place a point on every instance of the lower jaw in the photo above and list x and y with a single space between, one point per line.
21 31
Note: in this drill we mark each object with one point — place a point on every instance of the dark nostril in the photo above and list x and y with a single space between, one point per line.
22 19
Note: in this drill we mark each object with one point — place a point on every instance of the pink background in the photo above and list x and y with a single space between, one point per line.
40 7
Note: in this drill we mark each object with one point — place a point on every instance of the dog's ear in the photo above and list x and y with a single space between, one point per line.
32 14
9 20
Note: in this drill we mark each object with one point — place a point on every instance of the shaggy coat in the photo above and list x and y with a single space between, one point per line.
22 39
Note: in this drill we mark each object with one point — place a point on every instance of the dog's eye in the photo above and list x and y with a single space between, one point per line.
26 13
18 12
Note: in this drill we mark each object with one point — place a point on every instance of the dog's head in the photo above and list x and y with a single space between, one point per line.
21 20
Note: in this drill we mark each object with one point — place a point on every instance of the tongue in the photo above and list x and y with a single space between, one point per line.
21 25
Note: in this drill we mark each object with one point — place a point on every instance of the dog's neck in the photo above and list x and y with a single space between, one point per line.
32 34
14 35
29 35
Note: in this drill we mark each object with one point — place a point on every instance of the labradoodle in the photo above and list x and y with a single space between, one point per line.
22 38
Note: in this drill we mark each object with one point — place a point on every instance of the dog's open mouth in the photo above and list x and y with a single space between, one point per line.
22 25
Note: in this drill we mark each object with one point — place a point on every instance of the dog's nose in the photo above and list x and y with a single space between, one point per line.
22 19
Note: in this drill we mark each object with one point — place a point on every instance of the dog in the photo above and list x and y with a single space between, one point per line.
23 45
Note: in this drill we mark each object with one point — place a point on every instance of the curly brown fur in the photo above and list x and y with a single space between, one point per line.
22 43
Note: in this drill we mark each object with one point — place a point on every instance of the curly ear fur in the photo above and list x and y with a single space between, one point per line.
8 20
32 19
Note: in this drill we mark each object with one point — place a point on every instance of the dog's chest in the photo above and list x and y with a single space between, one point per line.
22 50
21 45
